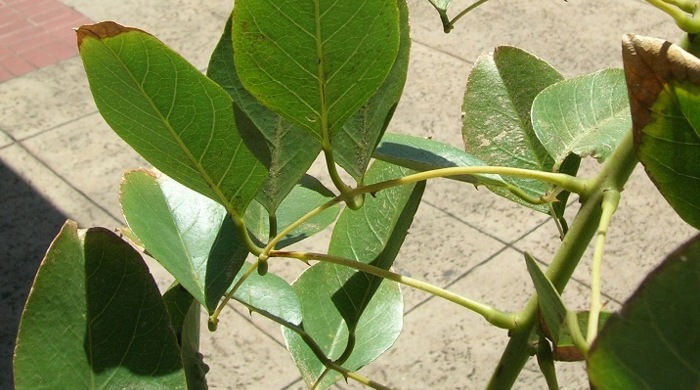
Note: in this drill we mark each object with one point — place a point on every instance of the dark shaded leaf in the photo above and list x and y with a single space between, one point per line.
653 342
95 319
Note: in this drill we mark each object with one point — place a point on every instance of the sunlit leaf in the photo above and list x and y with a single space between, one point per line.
170 113
316 63
377 330
653 342
354 143
585 115
664 92
270 294
95 319
291 149
339 303
189 234
496 125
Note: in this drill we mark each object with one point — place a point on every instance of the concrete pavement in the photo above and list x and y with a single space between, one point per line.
58 160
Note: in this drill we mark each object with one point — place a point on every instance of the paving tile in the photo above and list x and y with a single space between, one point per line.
190 27
642 232
5 139
576 37
440 249
443 346
242 357
90 156
27 35
45 99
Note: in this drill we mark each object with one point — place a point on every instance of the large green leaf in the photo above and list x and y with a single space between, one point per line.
423 154
664 91
306 196
94 319
653 342
170 113
269 294
184 315
190 235
291 149
315 62
354 144
377 330
496 125
343 308
388 215
585 115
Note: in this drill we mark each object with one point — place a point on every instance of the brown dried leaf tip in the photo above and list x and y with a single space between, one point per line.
101 30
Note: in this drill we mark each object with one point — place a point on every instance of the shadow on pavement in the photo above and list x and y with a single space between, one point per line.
28 224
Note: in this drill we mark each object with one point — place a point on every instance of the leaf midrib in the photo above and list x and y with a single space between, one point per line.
200 169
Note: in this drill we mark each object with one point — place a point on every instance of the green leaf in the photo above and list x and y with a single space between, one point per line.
551 306
316 63
422 154
189 234
183 311
387 215
653 342
664 91
291 149
95 319
377 330
496 116
269 294
170 113
354 144
351 315
585 115
306 196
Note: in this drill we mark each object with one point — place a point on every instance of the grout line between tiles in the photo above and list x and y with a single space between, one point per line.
447 53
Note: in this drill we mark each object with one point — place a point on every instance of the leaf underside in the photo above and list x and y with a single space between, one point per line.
664 92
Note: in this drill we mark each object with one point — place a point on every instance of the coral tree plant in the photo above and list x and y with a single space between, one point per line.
229 191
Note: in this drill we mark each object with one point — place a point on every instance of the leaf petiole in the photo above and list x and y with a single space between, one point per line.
213 322
611 199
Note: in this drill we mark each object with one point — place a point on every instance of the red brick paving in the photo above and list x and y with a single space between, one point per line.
34 34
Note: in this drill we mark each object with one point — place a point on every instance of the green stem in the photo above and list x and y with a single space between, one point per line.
245 236
459 16
611 199
614 174
214 318
493 316
264 253
575 331
567 182
684 13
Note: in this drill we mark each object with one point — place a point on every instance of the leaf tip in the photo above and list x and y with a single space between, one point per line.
101 30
